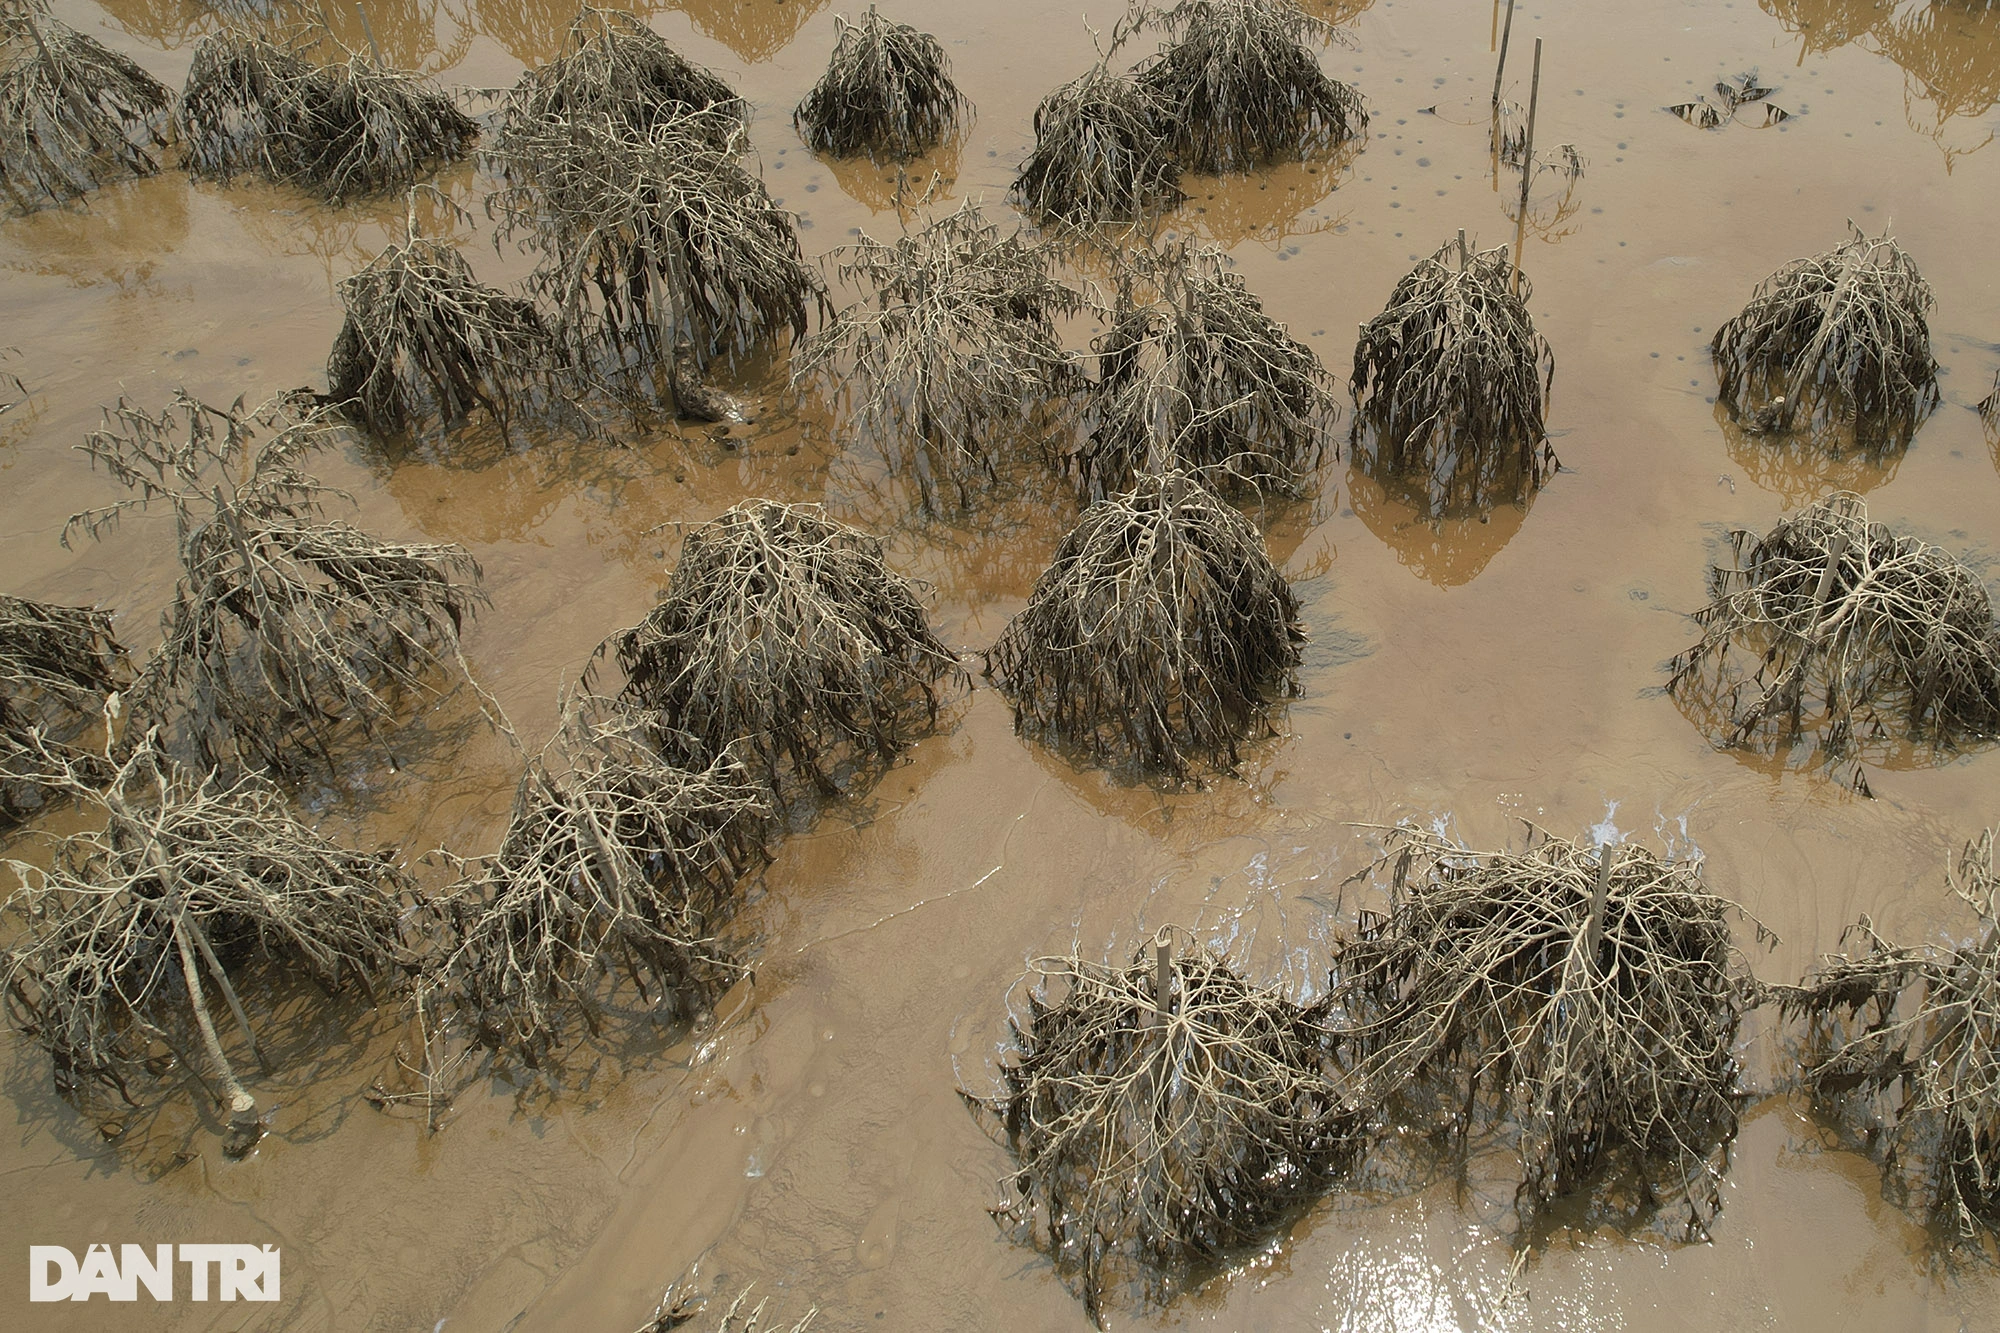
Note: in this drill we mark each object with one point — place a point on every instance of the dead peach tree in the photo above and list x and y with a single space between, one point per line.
141 936
284 628
74 115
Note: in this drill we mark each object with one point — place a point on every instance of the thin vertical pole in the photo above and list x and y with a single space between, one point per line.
1500 69
1527 165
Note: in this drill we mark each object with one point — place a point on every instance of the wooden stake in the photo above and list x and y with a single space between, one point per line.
1527 166
365 27
1833 557
1500 69
1163 976
1594 933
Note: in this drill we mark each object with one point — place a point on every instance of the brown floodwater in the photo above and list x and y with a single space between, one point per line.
810 1138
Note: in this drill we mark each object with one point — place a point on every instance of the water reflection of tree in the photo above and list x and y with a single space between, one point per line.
901 186
754 29
425 35
1284 199
1447 549
1800 466
1949 51
118 239
532 31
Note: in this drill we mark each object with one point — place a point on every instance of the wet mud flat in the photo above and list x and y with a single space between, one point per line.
807 1135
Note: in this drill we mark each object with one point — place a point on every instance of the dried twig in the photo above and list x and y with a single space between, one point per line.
886 89
1193 373
1239 89
957 337
1158 635
137 925
1845 631
282 626
1101 154
1584 1000
57 665
73 114
343 130
1903 1044
425 342
616 867
1450 382
1164 1115
1842 335
787 632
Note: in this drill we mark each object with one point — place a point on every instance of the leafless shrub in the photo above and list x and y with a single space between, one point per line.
57 666
645 235
424 341
1450 382
1239 89
283 626
679 1308
1193 373
344 130
616 868
73 114
614 68
1164 1115
1844 631
1158 635
1903 1045
957 337
1583 1001
1101 154
787 633
185 888
887 89
1843 335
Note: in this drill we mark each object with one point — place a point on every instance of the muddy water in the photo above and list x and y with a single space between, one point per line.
810 1138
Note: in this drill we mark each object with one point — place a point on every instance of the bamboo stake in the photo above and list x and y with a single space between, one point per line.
367 28
1501 69
1527 167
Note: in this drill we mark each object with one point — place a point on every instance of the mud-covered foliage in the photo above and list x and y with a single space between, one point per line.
284 629
425 343
1239 89
955 339
1165 1116
1101 154
1192 373
1835 629
887 89
645 235
614 68
58 667
786 634
1902 1047
1159 635
1450 384
1582 1003
140 937
343 130
1840 339
616 869
74 115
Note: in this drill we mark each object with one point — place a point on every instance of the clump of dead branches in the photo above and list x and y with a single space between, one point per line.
1903 1044
1450 382
1840 337
956 340
786 632
887 89
1583 1002
1159 634
58 666
342 130
283 627
679 1307
1165 1115
1193 373
74 115
184 891
424 341
617 867
1837 628
1101 154
614 68
645 235
1239 89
